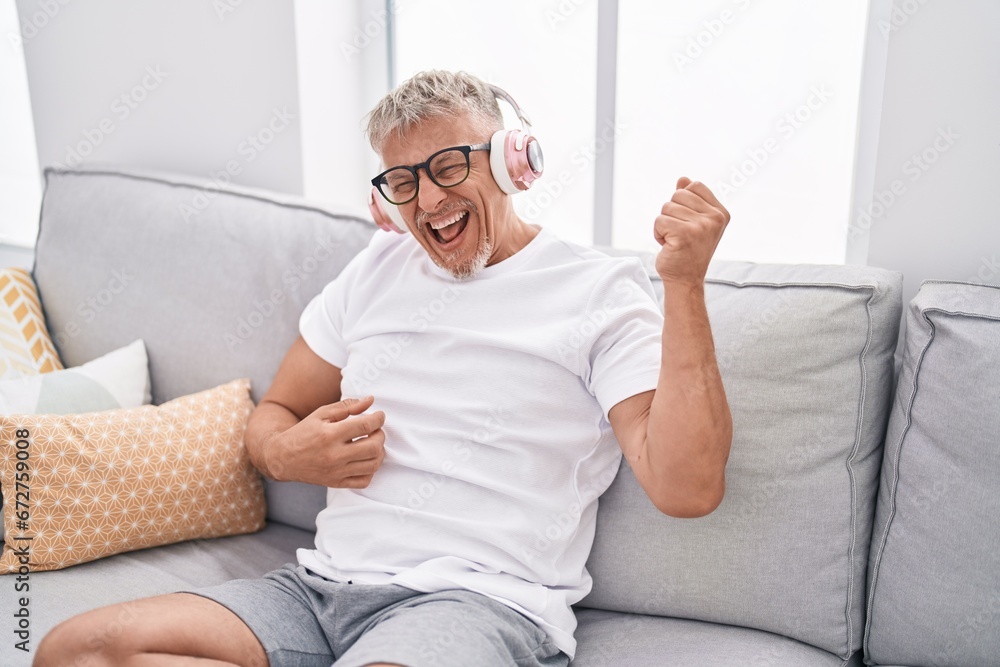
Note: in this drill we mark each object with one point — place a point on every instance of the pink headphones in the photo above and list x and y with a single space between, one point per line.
515 163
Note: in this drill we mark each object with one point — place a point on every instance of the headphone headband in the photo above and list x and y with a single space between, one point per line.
500 93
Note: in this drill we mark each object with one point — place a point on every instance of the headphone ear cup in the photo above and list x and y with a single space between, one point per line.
385 215
498 163
515 160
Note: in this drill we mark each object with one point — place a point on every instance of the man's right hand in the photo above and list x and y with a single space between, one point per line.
323 448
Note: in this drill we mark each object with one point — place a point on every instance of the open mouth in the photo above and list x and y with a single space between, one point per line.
448 235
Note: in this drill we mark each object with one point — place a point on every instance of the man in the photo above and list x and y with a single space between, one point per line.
462 510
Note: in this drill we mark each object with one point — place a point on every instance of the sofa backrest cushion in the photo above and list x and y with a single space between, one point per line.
806 356
934 582
213 281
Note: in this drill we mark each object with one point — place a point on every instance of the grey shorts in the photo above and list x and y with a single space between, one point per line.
305 620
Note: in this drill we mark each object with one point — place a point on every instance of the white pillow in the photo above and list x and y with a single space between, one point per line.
119 379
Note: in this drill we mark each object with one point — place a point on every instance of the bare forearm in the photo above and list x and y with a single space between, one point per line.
689 430
267 419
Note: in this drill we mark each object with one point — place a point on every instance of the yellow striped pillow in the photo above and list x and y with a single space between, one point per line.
25 346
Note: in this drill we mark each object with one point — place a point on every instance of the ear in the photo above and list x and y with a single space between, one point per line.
385 215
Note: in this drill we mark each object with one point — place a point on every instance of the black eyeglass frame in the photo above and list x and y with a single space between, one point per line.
425 165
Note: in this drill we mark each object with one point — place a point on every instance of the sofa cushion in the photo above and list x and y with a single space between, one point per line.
613 639
119 379
100 483
226 286
56 596
934 584
806 356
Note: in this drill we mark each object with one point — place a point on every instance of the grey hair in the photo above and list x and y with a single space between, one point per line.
432 94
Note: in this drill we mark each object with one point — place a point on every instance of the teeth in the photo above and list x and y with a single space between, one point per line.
438 224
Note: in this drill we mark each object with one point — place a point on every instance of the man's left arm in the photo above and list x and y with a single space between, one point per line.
677 438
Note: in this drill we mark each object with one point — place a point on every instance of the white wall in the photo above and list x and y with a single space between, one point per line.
937 203
342 73
202 88
224 73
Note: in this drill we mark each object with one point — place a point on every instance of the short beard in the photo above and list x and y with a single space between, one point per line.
469 269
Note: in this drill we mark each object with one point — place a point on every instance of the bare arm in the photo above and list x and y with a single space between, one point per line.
301 430
677 438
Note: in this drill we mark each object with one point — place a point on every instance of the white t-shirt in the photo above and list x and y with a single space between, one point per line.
496 392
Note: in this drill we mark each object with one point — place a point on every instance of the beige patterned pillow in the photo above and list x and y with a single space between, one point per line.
25 347
81 487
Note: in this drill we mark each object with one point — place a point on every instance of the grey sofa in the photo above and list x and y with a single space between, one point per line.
860 524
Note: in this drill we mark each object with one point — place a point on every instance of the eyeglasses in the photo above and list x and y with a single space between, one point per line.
447 168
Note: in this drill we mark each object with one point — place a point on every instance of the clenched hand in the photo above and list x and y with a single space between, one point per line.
335 446
688 228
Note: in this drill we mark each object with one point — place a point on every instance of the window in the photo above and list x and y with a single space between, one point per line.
545 55
758 100
20 185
